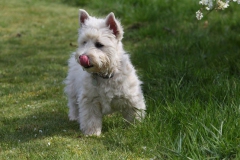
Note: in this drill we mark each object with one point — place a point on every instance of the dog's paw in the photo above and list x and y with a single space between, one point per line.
91 132
72 117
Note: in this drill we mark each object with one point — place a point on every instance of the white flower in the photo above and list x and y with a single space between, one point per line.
214 4
238 1
199 15
204 2
208 3
222 5
49 143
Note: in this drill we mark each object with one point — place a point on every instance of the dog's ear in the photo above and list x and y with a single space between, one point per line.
114 25
83 15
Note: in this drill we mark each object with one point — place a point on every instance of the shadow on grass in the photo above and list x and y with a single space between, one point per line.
47 124
37 126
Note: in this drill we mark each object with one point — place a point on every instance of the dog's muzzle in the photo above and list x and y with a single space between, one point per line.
84 61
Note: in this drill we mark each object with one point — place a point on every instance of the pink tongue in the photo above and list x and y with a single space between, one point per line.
84 61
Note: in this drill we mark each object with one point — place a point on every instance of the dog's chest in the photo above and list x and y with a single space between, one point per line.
110 89
112 96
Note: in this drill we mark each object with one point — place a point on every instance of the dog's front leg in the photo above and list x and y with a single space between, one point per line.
73 109
135 109
90 118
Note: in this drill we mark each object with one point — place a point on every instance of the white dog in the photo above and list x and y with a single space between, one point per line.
101 78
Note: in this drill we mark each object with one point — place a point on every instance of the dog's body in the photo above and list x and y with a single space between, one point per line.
101 78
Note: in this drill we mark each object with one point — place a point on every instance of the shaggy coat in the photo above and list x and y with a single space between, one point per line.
101 78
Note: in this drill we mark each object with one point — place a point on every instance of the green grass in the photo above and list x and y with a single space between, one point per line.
191 75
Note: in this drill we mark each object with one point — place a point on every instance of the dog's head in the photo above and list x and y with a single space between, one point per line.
99 43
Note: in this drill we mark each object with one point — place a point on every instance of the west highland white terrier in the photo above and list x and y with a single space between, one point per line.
101 78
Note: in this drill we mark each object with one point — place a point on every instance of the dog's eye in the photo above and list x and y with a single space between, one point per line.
84 42
99 45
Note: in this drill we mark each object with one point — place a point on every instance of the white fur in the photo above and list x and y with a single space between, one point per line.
91 96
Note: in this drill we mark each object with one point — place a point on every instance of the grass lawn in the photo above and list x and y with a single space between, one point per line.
190 70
